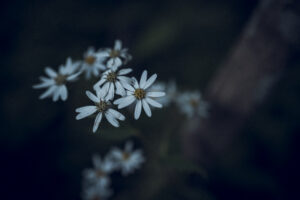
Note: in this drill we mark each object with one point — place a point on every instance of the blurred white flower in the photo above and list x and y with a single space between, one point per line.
92 64
138 92
113 80
100 173
96 192
128 160
102 106
171 91
56 83
117 54
192 104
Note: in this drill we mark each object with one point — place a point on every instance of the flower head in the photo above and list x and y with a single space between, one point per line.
92 64
56 83
102 107
116 54
113 80
138 92
96 192
192 104
127 159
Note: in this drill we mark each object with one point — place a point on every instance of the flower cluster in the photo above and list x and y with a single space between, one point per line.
96 182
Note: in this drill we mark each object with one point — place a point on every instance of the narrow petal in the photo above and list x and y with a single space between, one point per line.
50 72
111 119
103 53
117 114
120 90
156 94
92 97
125 71
97 122
48 92
63 92
105 88
56 94
99 83
143 79
125 101
74 76
138 109
44 85
128 87
118 45
153 102
111 92
135 83
150 81
114 63
85 111
146 108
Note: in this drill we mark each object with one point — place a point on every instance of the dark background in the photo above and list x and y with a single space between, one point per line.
44 149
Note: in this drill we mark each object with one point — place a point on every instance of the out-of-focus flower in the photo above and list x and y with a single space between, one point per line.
96 192
171 91
138 92
102 106
117 54
92 64
56 83
128 160
100 173
113 80
191 104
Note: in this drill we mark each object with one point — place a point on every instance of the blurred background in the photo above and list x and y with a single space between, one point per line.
44 149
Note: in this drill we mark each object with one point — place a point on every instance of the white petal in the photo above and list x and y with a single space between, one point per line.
74 76
128 87
97 122
103 53
120 90
143 79
118 45
156 94
92 97
135 83
105 88
146 108
114 63
99 83
50 72
117 114
44 85
85 111
56 94
153 102
128 146
125 101
111 119
150 81
111 92
63 92
48 92
125 71
138 109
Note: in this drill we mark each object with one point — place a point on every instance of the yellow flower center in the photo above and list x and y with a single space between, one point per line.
126 156
100 173
111 77
139 93
90 60
114 53
102 106
60 79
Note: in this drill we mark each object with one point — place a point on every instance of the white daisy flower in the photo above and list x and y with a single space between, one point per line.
117 54
100 173
138 93
96 192
192 104
92 64
127 159
113 80
102 106
56 83
171 91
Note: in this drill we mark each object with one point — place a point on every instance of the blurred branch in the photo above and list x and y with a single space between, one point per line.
244 80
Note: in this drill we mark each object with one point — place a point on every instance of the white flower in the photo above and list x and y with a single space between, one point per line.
116 54
113 80
92 64
100 173
138 92
192 104
102 106
96 192
56 83
127 159
170 89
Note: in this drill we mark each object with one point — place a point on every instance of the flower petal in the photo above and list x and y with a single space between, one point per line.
143 79
120 90
117 114
85 111
125 101
99 83
138 109
125 71
63 92
118 45
114 63
153 102
48 92
111 119
97 122
92 97
150 81
156 94
146 108
50 72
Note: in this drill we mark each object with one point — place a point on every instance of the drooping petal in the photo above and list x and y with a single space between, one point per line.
156 94
150 81
146 108
92 97
85 111
117 114
111 119
63 92
153 102
138 109
111 92
97 122
143 79
56 94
